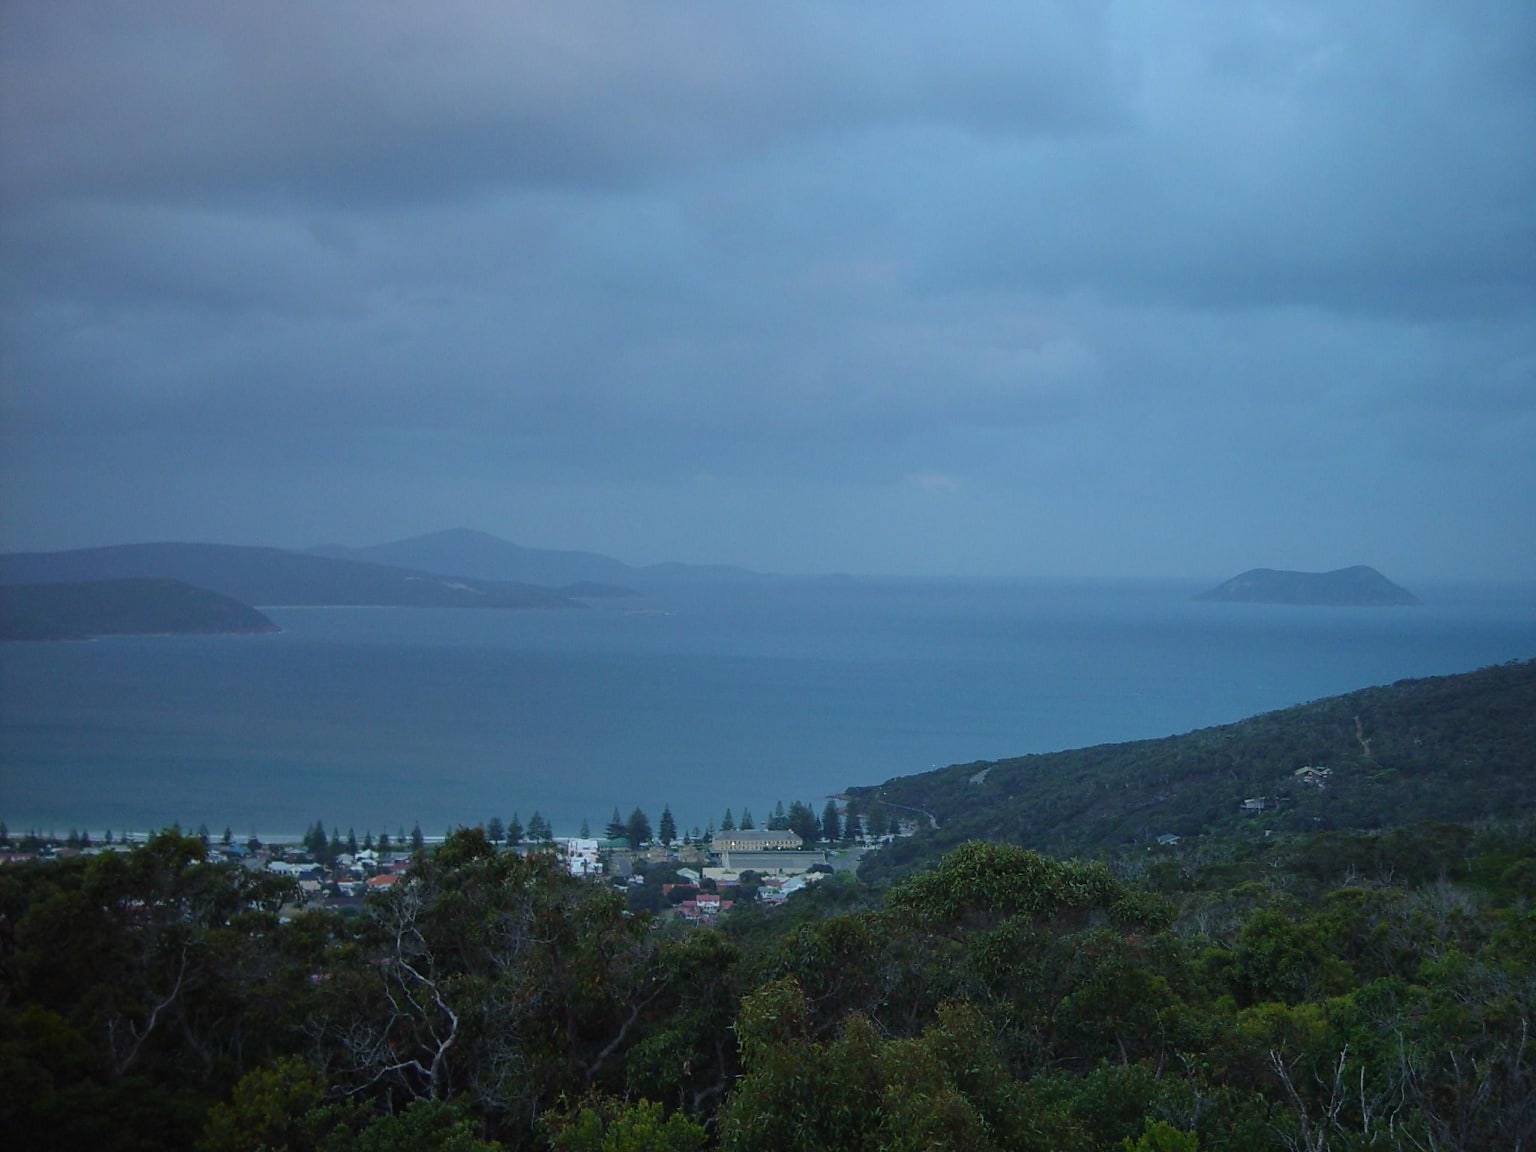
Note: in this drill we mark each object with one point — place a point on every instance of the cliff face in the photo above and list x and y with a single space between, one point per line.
1360 586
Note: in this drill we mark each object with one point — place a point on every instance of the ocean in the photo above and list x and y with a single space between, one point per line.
698 698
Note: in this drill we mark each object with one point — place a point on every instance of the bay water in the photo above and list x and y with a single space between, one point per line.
699 698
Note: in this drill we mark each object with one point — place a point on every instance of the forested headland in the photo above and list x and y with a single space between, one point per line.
1291 983
138 606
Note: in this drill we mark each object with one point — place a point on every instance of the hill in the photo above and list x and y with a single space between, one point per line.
465 552
272 576
1360 586
1452 748
78 611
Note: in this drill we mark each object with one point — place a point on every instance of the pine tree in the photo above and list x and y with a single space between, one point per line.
746 820
351 842
368 839
638 828
515 831
539 830
384 842
729 823
853 828
495 830
229 837
314 839
831 826
418 841
879 823
617 829
778 822
803 822
667 831
586 829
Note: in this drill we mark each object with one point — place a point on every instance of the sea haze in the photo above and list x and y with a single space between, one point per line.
700 698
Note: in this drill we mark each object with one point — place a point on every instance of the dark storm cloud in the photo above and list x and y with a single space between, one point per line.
352 102
988 287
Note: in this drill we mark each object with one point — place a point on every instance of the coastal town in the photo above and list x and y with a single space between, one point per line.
696 878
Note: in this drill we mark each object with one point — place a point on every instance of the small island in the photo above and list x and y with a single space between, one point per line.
81 610
1357 587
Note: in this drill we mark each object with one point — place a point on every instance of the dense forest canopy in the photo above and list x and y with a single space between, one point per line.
1343 988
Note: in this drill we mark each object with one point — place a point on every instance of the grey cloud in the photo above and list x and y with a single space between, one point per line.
975 289
1352 168
363 102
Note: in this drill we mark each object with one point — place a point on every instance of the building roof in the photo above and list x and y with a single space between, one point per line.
756 838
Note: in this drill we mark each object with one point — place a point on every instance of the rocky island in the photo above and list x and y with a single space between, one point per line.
1360 586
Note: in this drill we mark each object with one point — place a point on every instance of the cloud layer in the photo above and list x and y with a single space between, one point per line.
995 289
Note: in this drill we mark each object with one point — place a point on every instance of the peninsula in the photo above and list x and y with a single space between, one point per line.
80 610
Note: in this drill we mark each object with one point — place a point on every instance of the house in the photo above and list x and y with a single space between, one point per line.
706 906
776 891
580 855
1257 804
1315 777
1168 839
298 871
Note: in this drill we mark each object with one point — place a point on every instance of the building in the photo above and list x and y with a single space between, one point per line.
755 840
1315 777
580 856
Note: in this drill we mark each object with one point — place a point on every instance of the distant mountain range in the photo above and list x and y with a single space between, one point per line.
1360 586
274 577
458 568
465 552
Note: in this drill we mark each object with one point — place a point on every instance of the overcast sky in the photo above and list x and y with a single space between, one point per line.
1009 289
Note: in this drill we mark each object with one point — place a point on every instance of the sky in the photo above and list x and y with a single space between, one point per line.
972 289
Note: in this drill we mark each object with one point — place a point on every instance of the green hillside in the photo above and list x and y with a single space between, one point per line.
1457 748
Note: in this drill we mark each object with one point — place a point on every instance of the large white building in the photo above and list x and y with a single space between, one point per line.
755 840
758 844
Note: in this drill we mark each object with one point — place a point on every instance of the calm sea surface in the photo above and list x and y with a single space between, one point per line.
700 698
